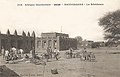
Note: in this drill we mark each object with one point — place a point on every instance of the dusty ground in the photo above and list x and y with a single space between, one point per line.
106 65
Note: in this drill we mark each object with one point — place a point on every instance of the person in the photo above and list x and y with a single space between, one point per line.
84 51
33 53
6 54
47 55
21 52
3 52
50 49
56 54
11 54
15 54
71 52
26 56
14 50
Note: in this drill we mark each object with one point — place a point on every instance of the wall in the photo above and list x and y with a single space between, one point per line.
18 41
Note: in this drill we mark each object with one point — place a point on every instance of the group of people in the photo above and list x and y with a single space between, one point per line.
87 55
14 54
11 54
83 54
70 53
52 53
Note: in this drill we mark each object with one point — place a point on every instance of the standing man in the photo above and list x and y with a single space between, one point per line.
47 54
21 52
56 54
33 53
50 49
3 52
84 51
71 52
6 55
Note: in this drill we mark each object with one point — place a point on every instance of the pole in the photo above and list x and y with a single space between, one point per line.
44 69
61 29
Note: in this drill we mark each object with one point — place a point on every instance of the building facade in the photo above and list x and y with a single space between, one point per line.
25 42
60 41
54 40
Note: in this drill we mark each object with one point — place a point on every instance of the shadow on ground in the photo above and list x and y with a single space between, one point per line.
7 72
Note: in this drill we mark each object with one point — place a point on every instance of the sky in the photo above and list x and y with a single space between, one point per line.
75 20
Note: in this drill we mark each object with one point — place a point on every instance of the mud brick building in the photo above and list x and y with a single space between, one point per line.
25 42
60 41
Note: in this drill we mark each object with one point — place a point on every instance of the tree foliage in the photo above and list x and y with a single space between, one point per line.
79 39
95 45
111 25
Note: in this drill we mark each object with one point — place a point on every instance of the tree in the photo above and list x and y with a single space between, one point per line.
95 45
111 25
79 40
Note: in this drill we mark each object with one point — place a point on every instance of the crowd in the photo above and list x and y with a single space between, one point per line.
52 53
14 54
82 54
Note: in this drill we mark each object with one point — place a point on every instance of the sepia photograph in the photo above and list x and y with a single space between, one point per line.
59 38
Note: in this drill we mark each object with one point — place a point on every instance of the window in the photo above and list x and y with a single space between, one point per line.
55 43
44 44
38 44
